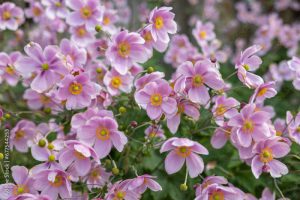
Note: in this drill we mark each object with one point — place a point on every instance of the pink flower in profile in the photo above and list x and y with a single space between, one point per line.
78 91
250 125
265 90
194 79
155 98
294 66
97 177
221 136
44 64
265 153
117 83
155 131
267 194
147 78
24 183
246 63
78 154
102 133
21 134
209 180
161 23
53 183
86 12
141 183
7 65
184 107
203 32
125 50
183 149
11 16
294 126
224 108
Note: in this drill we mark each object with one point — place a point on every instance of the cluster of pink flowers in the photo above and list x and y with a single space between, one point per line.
78 88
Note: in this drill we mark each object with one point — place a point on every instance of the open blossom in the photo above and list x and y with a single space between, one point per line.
74 56
183 149
161 23
264 160
7 66
203 32
21 134
35 11
53 183
44 64
184 107
119 190
215 191
126 49
224 108
141 183
155 131
265 90
117 83
78 91
155 98
294 66
24 183
11 16
97 176
81 36
55 8
79 155
194 79
86 12
246 63
250 125
102 133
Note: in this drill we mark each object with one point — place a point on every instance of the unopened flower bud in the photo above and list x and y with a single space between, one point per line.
183 187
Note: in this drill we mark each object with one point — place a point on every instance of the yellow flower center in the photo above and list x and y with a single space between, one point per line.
120 195
75 88
262 92
156 99
183 151
45 66
124 49
147 36
247 67
57 4
202 34
197 80
116 82
159 22
51 158
102 133
36 11
20 189
221 109
6 15
298 129
57 182
278 133
10 70
79 155
81 32
216 195
248 126
19 134
95 174
266 155
86 12
180 108
106 20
